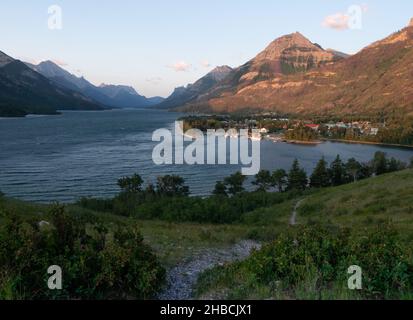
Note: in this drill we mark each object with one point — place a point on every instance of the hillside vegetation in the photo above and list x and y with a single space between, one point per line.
367 223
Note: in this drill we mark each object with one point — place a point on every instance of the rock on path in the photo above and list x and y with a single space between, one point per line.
182 279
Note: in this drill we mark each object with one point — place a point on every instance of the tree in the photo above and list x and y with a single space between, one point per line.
263 180
220 189
411 163
320 177
297 178
337 172
395 165
235 183
366 171
131 185
279 179
171 186
353 170
379 164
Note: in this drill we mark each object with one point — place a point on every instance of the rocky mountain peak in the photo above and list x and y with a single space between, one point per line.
411 23
220 72
4 59
278 47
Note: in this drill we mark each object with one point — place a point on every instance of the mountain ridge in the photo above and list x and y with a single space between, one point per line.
114 96
376 79
182 95
24 91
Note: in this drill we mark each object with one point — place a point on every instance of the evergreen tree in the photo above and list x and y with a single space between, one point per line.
395 165
171 186
380 163
337 172
220 189
279 179
131 185
263 180
353 170
235 183
320 177
297 178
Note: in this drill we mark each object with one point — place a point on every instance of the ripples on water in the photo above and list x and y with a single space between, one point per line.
62 158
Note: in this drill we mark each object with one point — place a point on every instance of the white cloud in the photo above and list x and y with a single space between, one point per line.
181 66
352 19
338 21
205 64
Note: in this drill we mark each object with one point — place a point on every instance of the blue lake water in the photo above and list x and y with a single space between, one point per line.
62 158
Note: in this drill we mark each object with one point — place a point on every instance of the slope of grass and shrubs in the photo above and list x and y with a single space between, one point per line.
99 259
313 263
350 213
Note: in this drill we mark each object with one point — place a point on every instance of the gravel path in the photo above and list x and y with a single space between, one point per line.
183 277
293 219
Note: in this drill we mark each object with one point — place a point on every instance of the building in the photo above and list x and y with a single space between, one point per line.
315 127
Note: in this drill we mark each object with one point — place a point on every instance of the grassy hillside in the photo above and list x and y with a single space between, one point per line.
368 223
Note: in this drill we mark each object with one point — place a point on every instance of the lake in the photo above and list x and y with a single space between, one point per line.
62 158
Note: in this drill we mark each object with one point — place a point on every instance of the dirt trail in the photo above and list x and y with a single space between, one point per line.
182 278
293 219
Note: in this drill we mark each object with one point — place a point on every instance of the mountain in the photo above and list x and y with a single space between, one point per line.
23 91
294 76
192 92
109 95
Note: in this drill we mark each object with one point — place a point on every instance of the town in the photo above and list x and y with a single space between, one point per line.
289 129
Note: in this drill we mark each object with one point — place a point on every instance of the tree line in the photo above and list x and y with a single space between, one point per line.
169 198
324 175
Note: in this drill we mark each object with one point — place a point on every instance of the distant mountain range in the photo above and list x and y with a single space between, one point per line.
115 96
24 91
192 92
291 76
295 76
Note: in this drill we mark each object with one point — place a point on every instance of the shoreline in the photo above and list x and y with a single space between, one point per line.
302 142
369 143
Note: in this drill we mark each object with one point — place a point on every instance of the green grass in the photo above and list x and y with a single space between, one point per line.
362 207
359 206
364 204
173 242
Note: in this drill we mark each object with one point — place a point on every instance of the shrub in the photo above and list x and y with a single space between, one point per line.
97 262
322 256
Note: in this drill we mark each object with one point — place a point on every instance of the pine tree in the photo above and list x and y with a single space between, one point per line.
235 183
353 170
320 177
220 189
263 180
279 179
297 178
337 172
380 163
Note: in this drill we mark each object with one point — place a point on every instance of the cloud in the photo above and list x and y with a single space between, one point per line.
205 64
350 20
180 66
338 21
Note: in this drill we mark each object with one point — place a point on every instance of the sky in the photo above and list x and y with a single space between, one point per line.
158 45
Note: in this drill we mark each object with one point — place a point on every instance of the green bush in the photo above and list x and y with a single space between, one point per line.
320 256
98 261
